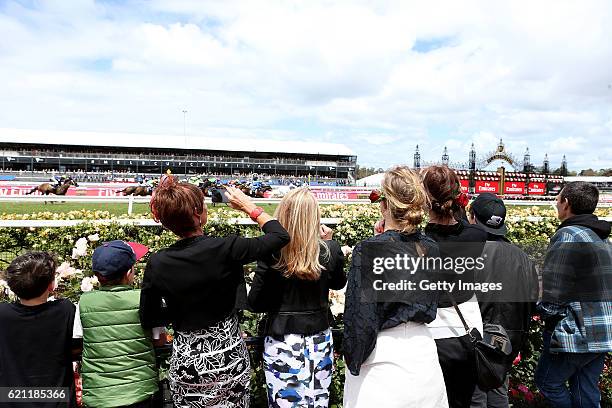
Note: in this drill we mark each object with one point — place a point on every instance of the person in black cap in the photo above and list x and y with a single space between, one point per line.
513 306
489 212
119 367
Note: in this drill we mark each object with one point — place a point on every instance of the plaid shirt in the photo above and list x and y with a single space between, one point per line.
582 327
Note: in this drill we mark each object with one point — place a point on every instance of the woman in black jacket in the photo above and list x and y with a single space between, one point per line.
458 239
292 287
391 358
198 278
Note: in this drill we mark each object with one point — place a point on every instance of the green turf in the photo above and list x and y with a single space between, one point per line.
113 208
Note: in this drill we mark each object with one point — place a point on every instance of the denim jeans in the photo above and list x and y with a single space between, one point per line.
581 370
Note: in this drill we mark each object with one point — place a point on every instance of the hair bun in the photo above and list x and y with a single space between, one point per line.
166 182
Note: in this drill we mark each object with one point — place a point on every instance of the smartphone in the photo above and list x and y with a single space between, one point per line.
219 196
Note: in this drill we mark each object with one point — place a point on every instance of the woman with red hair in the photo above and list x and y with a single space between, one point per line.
194 284
457 239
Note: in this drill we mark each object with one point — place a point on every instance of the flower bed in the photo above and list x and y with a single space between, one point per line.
74 245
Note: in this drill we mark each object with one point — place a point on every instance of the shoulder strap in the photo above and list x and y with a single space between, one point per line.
454 302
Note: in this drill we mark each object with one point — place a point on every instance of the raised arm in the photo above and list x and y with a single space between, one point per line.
245 250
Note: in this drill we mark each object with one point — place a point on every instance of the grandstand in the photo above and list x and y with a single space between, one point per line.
126 153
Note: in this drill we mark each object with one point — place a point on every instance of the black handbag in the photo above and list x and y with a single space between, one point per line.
491 351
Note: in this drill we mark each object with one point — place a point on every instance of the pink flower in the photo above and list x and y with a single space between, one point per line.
523 388
517 359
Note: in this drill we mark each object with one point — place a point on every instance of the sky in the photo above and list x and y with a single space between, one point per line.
379 77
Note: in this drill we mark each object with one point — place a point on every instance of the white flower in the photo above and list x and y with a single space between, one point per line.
337 298
80 248
337 309
4 288
88 283
93 237
65 271
347 250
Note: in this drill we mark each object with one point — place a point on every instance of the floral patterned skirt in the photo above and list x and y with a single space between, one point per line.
210 367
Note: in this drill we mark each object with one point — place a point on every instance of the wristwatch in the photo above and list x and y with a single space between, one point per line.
257 211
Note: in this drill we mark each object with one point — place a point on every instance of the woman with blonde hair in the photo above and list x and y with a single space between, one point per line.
391 358
292 287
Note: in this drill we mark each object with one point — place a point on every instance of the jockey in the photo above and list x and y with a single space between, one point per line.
58 179
254 186
195 180
151 183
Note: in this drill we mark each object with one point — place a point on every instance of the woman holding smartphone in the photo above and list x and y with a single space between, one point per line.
292 287
198 278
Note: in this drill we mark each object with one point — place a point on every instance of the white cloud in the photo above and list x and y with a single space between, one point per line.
535 75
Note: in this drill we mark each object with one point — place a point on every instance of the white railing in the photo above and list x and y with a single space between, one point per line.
130 200
145 222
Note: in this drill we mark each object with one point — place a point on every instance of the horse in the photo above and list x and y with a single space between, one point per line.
260 191
136 191
47 188
207 185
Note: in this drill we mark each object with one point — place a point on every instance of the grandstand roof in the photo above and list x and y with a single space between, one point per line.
100 139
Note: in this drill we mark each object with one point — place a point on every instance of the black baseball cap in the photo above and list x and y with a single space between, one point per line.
490 212
114 258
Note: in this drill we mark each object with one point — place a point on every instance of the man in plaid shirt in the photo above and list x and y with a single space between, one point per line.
576 306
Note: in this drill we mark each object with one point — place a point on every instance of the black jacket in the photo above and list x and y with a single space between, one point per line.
512 307
199 277
459 240
363 318
297 306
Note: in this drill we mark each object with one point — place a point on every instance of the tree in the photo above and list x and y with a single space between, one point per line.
361 172
588 172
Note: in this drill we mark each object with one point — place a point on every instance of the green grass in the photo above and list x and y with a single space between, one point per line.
113 208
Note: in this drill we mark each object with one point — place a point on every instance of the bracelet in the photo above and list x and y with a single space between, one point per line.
257 211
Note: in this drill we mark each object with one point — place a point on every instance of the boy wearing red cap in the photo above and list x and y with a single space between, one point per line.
119 368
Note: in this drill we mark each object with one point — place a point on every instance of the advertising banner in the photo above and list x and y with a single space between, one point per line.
487 186
537 188
514 187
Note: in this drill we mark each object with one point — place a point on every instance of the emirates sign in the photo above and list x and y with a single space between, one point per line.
487 186
514 187
537 188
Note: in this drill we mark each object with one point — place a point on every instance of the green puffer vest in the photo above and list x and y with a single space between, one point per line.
118 357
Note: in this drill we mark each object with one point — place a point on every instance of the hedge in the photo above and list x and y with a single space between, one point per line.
74 245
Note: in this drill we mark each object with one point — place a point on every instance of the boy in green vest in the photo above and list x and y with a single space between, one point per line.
118 368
